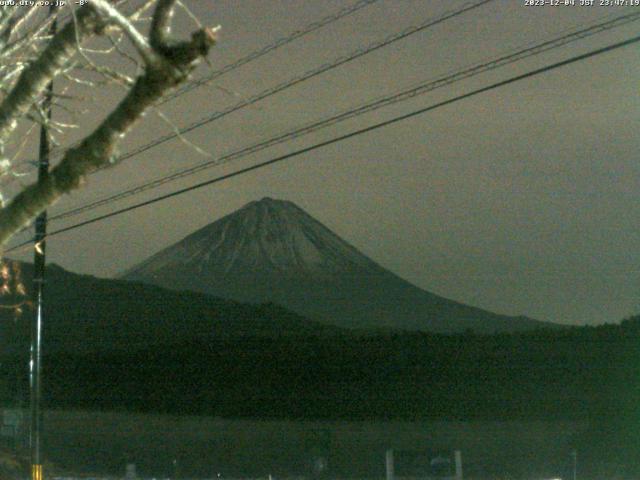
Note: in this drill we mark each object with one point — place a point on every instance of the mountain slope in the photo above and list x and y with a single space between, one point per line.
88 314
272 250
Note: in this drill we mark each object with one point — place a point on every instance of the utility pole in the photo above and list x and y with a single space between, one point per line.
35 363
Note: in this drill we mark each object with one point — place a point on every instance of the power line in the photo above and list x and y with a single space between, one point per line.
433 21
304 77
281 42
421 88
307 75
355 133
269 48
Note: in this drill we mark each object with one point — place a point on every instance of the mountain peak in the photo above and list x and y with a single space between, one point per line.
273 251
263 236
268 201
268 204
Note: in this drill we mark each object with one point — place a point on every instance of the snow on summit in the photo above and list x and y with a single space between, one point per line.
263 235
273 251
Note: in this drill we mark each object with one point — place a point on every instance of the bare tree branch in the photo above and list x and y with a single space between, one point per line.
161 24
170 64
138 40
12 21
35 78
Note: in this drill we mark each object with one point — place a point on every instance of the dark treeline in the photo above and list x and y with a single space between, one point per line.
589 374
573 374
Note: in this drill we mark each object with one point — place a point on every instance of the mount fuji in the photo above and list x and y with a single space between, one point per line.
273 251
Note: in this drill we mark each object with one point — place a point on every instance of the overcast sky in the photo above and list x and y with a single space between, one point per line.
520 201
